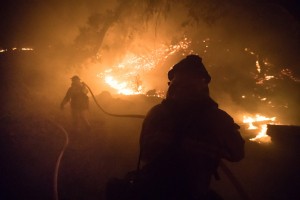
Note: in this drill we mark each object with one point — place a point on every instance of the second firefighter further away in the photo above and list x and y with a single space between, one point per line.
184 137
79 101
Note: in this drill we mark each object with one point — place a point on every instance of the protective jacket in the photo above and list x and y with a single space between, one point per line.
77 96
184 143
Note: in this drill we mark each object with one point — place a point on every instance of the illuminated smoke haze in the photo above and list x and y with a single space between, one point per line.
250 48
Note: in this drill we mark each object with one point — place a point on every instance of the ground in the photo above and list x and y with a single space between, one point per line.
30 147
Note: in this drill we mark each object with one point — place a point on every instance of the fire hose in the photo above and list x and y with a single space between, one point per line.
111 114
57 165
242 193
239 188
235 182
58 161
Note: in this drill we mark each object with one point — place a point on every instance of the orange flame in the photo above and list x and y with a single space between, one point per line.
262 126
124 76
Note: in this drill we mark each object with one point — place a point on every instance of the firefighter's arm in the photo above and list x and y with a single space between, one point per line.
85 90
66 99
229 138
153 138
233 143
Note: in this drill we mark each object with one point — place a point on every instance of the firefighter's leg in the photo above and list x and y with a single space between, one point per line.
75 119
85 120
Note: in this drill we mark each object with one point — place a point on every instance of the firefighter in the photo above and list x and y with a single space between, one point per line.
184 137
77 96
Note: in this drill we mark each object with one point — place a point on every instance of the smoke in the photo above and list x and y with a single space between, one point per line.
250 49
89 37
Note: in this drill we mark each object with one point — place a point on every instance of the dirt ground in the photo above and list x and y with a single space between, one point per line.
30 146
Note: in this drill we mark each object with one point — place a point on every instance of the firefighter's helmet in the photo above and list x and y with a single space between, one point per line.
75 78
191 65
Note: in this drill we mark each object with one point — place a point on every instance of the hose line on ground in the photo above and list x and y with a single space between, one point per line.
237 185
223 166
111 114
235 182
57 165
60 127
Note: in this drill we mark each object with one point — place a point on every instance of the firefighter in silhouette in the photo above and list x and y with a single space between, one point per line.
77 96
184 137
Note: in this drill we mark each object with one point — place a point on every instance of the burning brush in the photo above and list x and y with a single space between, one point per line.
259 123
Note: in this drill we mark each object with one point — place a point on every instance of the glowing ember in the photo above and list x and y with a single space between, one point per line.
15 49
258 66
269 77
259 122
289 74
27 49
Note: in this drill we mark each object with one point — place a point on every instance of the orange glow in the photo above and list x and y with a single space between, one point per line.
15 49
122 87
258 68
259 122
287 72
124 76
27 49
262 135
